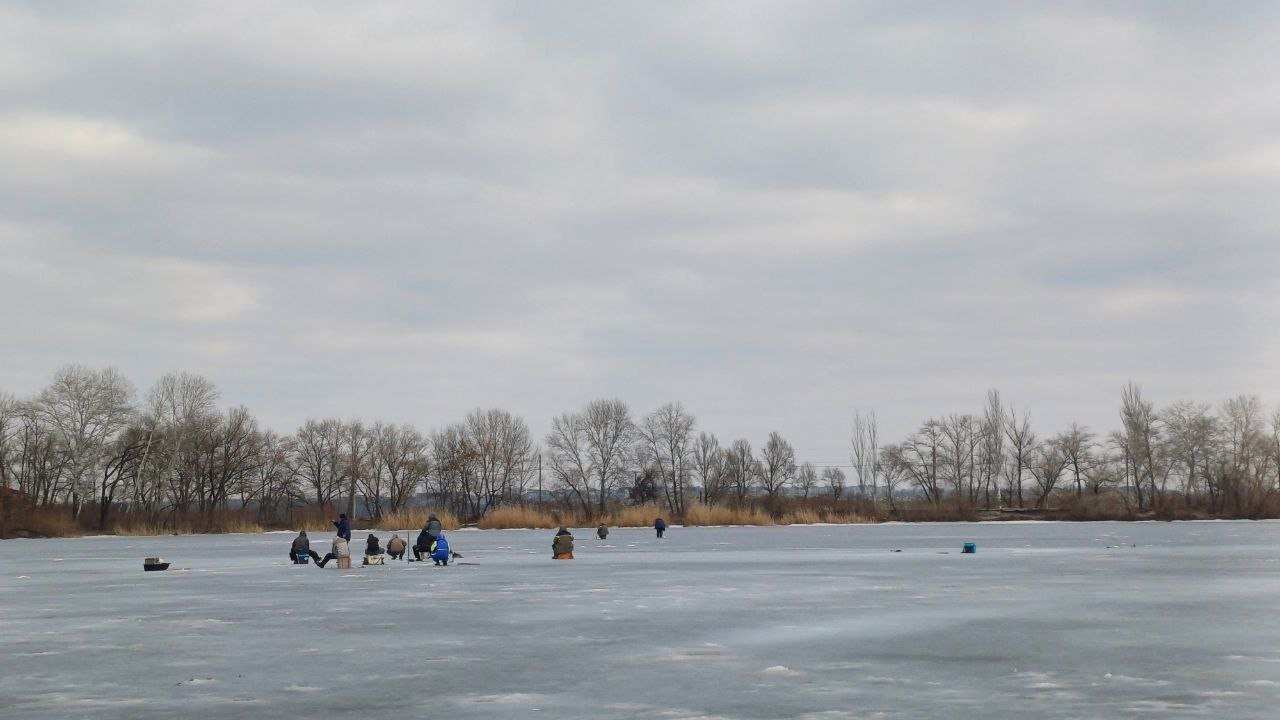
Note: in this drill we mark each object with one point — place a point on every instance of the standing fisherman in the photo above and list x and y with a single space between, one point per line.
344 527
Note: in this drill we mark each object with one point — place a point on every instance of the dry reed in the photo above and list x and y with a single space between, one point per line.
717 515
638 516
518 516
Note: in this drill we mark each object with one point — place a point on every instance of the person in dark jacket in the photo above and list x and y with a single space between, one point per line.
602 532
395 547
660 525
371 546
562 545
429 533
301 548
344 527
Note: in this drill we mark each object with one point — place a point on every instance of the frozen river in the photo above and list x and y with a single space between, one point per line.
1047 620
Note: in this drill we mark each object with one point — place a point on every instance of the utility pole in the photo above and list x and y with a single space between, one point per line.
539 480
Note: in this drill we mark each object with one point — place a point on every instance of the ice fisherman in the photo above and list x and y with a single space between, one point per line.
301 548
440 550
395 547
660 525
344 526
429 533
372 546
562 545
340 550
602 532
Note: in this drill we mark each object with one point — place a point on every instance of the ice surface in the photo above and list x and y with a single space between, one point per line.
1047 620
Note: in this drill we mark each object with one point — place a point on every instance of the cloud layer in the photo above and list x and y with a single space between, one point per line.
774 212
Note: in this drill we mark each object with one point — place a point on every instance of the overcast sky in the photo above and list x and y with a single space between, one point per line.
774 213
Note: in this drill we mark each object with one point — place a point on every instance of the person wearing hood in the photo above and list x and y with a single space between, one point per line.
372 546
440 550
301 548
344 526
602 532
395 547
562 545
428 536
660 525
340 550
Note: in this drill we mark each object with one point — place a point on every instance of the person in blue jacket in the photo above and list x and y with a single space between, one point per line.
344 527
440 550
660 525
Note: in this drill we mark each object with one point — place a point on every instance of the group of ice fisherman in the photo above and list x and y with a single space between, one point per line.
431 545
562 543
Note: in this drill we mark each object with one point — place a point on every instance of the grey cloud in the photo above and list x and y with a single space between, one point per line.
772 212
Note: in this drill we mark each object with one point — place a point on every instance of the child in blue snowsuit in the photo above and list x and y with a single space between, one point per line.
440 551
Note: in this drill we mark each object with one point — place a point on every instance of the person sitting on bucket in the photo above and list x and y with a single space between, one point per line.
440 550
301 548
562 545
429 533
371 546
395 547
340 550
602 532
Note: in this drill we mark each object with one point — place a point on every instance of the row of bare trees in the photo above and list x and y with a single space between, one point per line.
1224 461
86 442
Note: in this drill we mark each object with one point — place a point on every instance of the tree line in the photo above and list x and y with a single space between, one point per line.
88 445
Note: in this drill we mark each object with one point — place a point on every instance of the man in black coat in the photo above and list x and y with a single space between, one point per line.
428 536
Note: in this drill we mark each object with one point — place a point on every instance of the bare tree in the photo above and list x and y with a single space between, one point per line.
777 465
1076 445
1189 433
181 406
920 458
961 436
504 451
991 448
400 464
451 468
610 434
1048 462
85 409
833 478
665 444
1139 439
570 459
708 468
1242 476
315 455
741 470
119 465
865 441
1022 442
893 474
806 479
